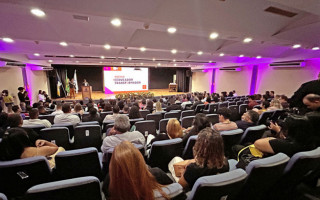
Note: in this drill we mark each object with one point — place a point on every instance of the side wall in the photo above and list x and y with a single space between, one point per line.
201 81
37 80
11 78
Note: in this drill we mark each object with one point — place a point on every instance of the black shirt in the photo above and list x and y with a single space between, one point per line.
194 171
91 119
286 146
173 107
311 87
244 125
186 137
21 97
194 106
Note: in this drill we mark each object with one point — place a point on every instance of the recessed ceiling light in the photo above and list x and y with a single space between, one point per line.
296 46
175 64
258 57
315 48
210 61
6 39
116 22
36 54
63 44
50 61
241 55
199 53
174 60
102 57
121 63
143 49
174 51
247 40
141 63
107 46
159 64
100 62
221 54
213 35
172 29
130 58
37 12
77 61
153 59
72 56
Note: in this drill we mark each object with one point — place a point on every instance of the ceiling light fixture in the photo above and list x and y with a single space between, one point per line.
141 63
159 64
107 46
241 55
174 51
247 40
6 39
77 61
296 46
221 54
258 57
130 58
116 22
143 49
100 62
213 35
37 12
121 63
50 61
210 61
63 44
36 54
199 53
174 60
71 56
102 57
172 30
153 59
175 64
315 48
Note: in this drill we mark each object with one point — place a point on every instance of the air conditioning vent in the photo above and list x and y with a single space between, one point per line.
279 11
47 68
231 69
287 64
80 17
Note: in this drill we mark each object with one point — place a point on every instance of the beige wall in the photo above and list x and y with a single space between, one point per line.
201 81
232 80
11 78
37 80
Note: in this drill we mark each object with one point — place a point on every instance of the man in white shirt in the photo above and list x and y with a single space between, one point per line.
234 93
115 111
58 110
34 119
120 132
183 105
66 117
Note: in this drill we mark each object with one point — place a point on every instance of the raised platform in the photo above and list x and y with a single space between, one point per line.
98 95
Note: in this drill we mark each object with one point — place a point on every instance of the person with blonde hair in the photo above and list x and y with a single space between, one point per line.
275 105
158 107
129 177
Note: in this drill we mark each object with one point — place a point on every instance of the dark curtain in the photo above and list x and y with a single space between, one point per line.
62 76
182 80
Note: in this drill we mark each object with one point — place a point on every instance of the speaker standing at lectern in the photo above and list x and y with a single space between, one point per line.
85 83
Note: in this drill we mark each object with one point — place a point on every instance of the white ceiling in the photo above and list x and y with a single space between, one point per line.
273 35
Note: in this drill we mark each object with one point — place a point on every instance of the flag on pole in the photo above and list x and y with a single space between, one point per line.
75 80
58 88
59 85
67 83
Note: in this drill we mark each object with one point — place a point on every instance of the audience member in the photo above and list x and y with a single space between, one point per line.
194 106
42 110
58 109
224 121
126 109
134 112
78 109
21 94
34 119
248 119
93 116
275 105
41 97
158 107
17 110
149 106
284 101
120 132
3 123
121 104
312 101
107 107
115 113
173 106
183 105
252 102
66 117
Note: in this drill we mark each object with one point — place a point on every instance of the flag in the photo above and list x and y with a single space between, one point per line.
75 80
58 88
67 83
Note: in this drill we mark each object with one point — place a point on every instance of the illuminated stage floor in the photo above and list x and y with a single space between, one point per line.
98 95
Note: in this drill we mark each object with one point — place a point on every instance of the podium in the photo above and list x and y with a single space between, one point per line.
173 87
86 92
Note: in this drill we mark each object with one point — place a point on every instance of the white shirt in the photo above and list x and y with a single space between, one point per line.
44 122
67 118
57 112
112 141
110 117
183 105
41 97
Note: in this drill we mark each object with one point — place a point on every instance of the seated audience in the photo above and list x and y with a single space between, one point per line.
275 105
158 107
78 109
149 106
107 107
17 110
264 107
66 117
252 102
42 110
93 116
224 121
163 105
248 119
115 113
173 106
198 101
121 104
284 101
15 121
208 100
120 132
128 170
34 119
58 109
126 109
312 101
3 123
183 105
143 104
134 112
200 122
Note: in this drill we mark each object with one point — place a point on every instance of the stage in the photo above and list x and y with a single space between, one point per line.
98 95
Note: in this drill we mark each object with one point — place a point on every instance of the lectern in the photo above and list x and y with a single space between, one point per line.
86 92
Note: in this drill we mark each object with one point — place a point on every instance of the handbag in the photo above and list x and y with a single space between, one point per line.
247 155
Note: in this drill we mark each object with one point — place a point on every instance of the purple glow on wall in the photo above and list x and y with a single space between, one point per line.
29 82
254 80
213 81
34 67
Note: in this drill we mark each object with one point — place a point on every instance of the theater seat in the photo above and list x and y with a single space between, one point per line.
213 107
188 149
173 191
172 115
83 188
218 186
3 197
147 125
187 113
252 134
230 138
57 135
156 117
87 136
36 128
186 122
163 125
213 118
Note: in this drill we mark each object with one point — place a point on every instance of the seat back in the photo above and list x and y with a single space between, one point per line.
77 188
213 118
265 116
252 134
162 152
144 113
199 108
172 115
186 122
262 175
239 103
242 109
147 125
246 101
77 163
218 186
87 136
3 197
173 191
156 117
188 149
187 113
17 176
163 125
133 121
213 107
234 113
104 114
231 103
68 125
277 115
88 123
223 105
57 135
50 118
230 138
36 128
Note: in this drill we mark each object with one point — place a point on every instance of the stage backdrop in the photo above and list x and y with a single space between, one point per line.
125 79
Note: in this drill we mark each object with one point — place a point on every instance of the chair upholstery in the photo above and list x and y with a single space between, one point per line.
232 103
83 188
144 113
277 114
36 128
213 107
162 152
156 117
217 186
57 135
187 113
3 197
173 191
77 163
223 105
163 125
252 134
17 176
262 175
199 108
68 125
186 122
88 123
188 149
104 114
147 125
213 118
239 103
234 113
172 115
265 116
87 136
242 109
231 138
133 121
50 118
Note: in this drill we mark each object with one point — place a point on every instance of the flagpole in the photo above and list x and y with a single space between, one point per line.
61 84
